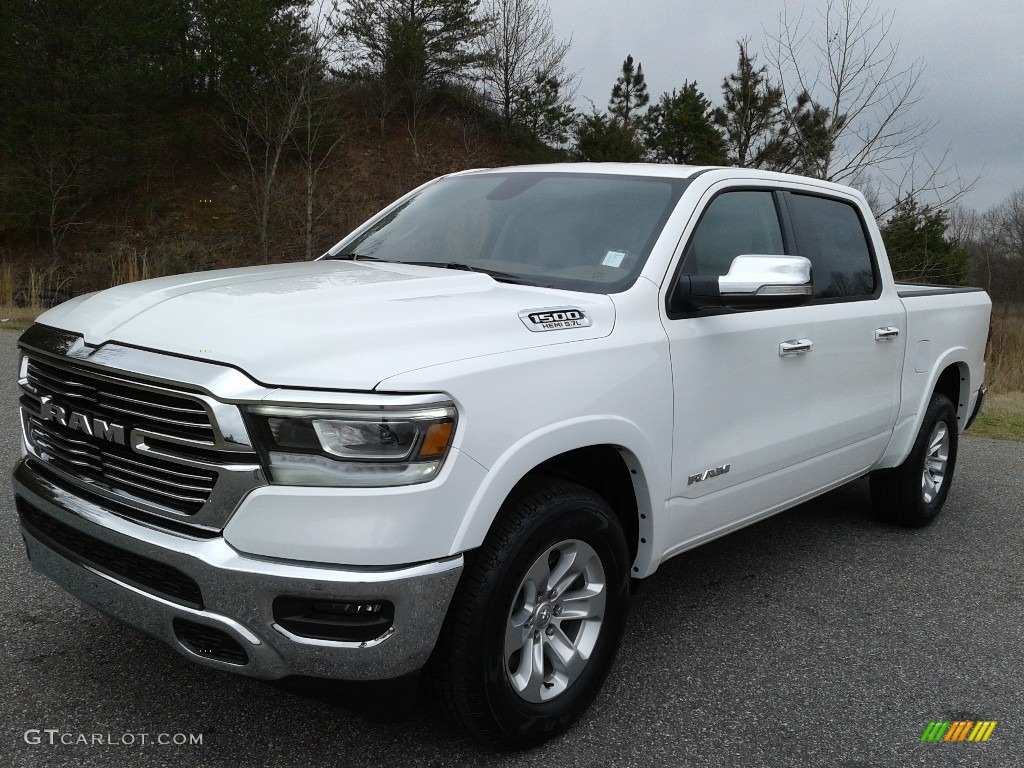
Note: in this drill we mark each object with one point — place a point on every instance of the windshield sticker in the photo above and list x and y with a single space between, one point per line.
554 319
614 258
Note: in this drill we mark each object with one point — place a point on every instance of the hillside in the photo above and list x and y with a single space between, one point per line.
188 207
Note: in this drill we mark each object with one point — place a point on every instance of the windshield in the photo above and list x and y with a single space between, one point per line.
586 232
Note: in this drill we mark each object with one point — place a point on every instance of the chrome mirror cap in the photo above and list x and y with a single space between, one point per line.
766 275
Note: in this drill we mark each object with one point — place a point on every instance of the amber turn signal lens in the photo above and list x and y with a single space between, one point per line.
435 442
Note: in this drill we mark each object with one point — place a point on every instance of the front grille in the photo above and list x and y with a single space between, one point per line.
210 642
180 488
141 572
153 409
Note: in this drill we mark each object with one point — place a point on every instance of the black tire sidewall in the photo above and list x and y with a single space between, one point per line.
940 409
897 493
584 519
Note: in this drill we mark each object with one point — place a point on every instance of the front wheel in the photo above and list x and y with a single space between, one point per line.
913 493
537 618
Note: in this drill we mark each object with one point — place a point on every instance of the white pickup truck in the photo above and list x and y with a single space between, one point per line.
455 440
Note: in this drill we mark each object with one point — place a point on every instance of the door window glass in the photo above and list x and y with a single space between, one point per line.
735 224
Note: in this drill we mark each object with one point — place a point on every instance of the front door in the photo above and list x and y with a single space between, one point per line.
772 405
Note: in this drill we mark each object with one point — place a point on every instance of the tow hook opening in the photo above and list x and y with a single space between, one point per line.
209 642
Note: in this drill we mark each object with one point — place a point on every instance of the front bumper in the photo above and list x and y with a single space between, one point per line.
118 566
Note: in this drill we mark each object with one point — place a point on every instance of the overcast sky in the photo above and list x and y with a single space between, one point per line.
973 52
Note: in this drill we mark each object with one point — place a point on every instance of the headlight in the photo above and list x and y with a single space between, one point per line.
306 446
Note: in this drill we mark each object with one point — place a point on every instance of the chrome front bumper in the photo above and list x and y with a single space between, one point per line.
237 592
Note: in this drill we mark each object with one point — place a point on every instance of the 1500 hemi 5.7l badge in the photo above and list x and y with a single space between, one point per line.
554 318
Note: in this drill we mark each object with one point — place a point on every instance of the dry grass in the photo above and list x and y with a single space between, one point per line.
17 318
1003 415
128 264
44 285
6 285
1005 359
1001 418
40 288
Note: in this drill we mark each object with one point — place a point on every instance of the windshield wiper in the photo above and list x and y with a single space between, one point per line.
352 257
505 277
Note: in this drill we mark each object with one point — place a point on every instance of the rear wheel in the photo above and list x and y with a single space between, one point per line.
537 617
914 493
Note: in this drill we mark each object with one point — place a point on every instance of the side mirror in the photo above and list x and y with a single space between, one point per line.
752 282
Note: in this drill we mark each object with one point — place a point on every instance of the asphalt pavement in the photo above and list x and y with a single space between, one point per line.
820 637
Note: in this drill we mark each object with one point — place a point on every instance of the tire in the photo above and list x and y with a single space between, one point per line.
913 493
510 666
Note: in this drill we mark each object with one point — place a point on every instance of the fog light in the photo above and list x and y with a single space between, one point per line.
353 622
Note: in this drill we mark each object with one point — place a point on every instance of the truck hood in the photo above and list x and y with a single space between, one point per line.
327 324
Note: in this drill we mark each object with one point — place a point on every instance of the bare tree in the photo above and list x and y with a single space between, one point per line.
59 181
978 234
1011 215
258 130
994 241
319 129
58 174
520 50
962 224
850 101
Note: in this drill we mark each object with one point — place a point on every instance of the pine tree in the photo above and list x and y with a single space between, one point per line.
415 46
810 135
412 49
543 111
81 82
629 94
915 240
236 42
751 117
604 139
680 129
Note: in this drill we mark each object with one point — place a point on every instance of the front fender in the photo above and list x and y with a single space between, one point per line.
650 478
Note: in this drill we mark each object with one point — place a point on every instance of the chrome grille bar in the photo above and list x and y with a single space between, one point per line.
134 483
175 472
198 410
113 467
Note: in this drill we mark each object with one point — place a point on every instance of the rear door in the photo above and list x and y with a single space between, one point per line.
859 337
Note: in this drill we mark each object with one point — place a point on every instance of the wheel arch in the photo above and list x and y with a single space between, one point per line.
608 473
951 376
955 383
616 463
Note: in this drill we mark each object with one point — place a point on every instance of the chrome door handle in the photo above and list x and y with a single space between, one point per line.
886 334
795 347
